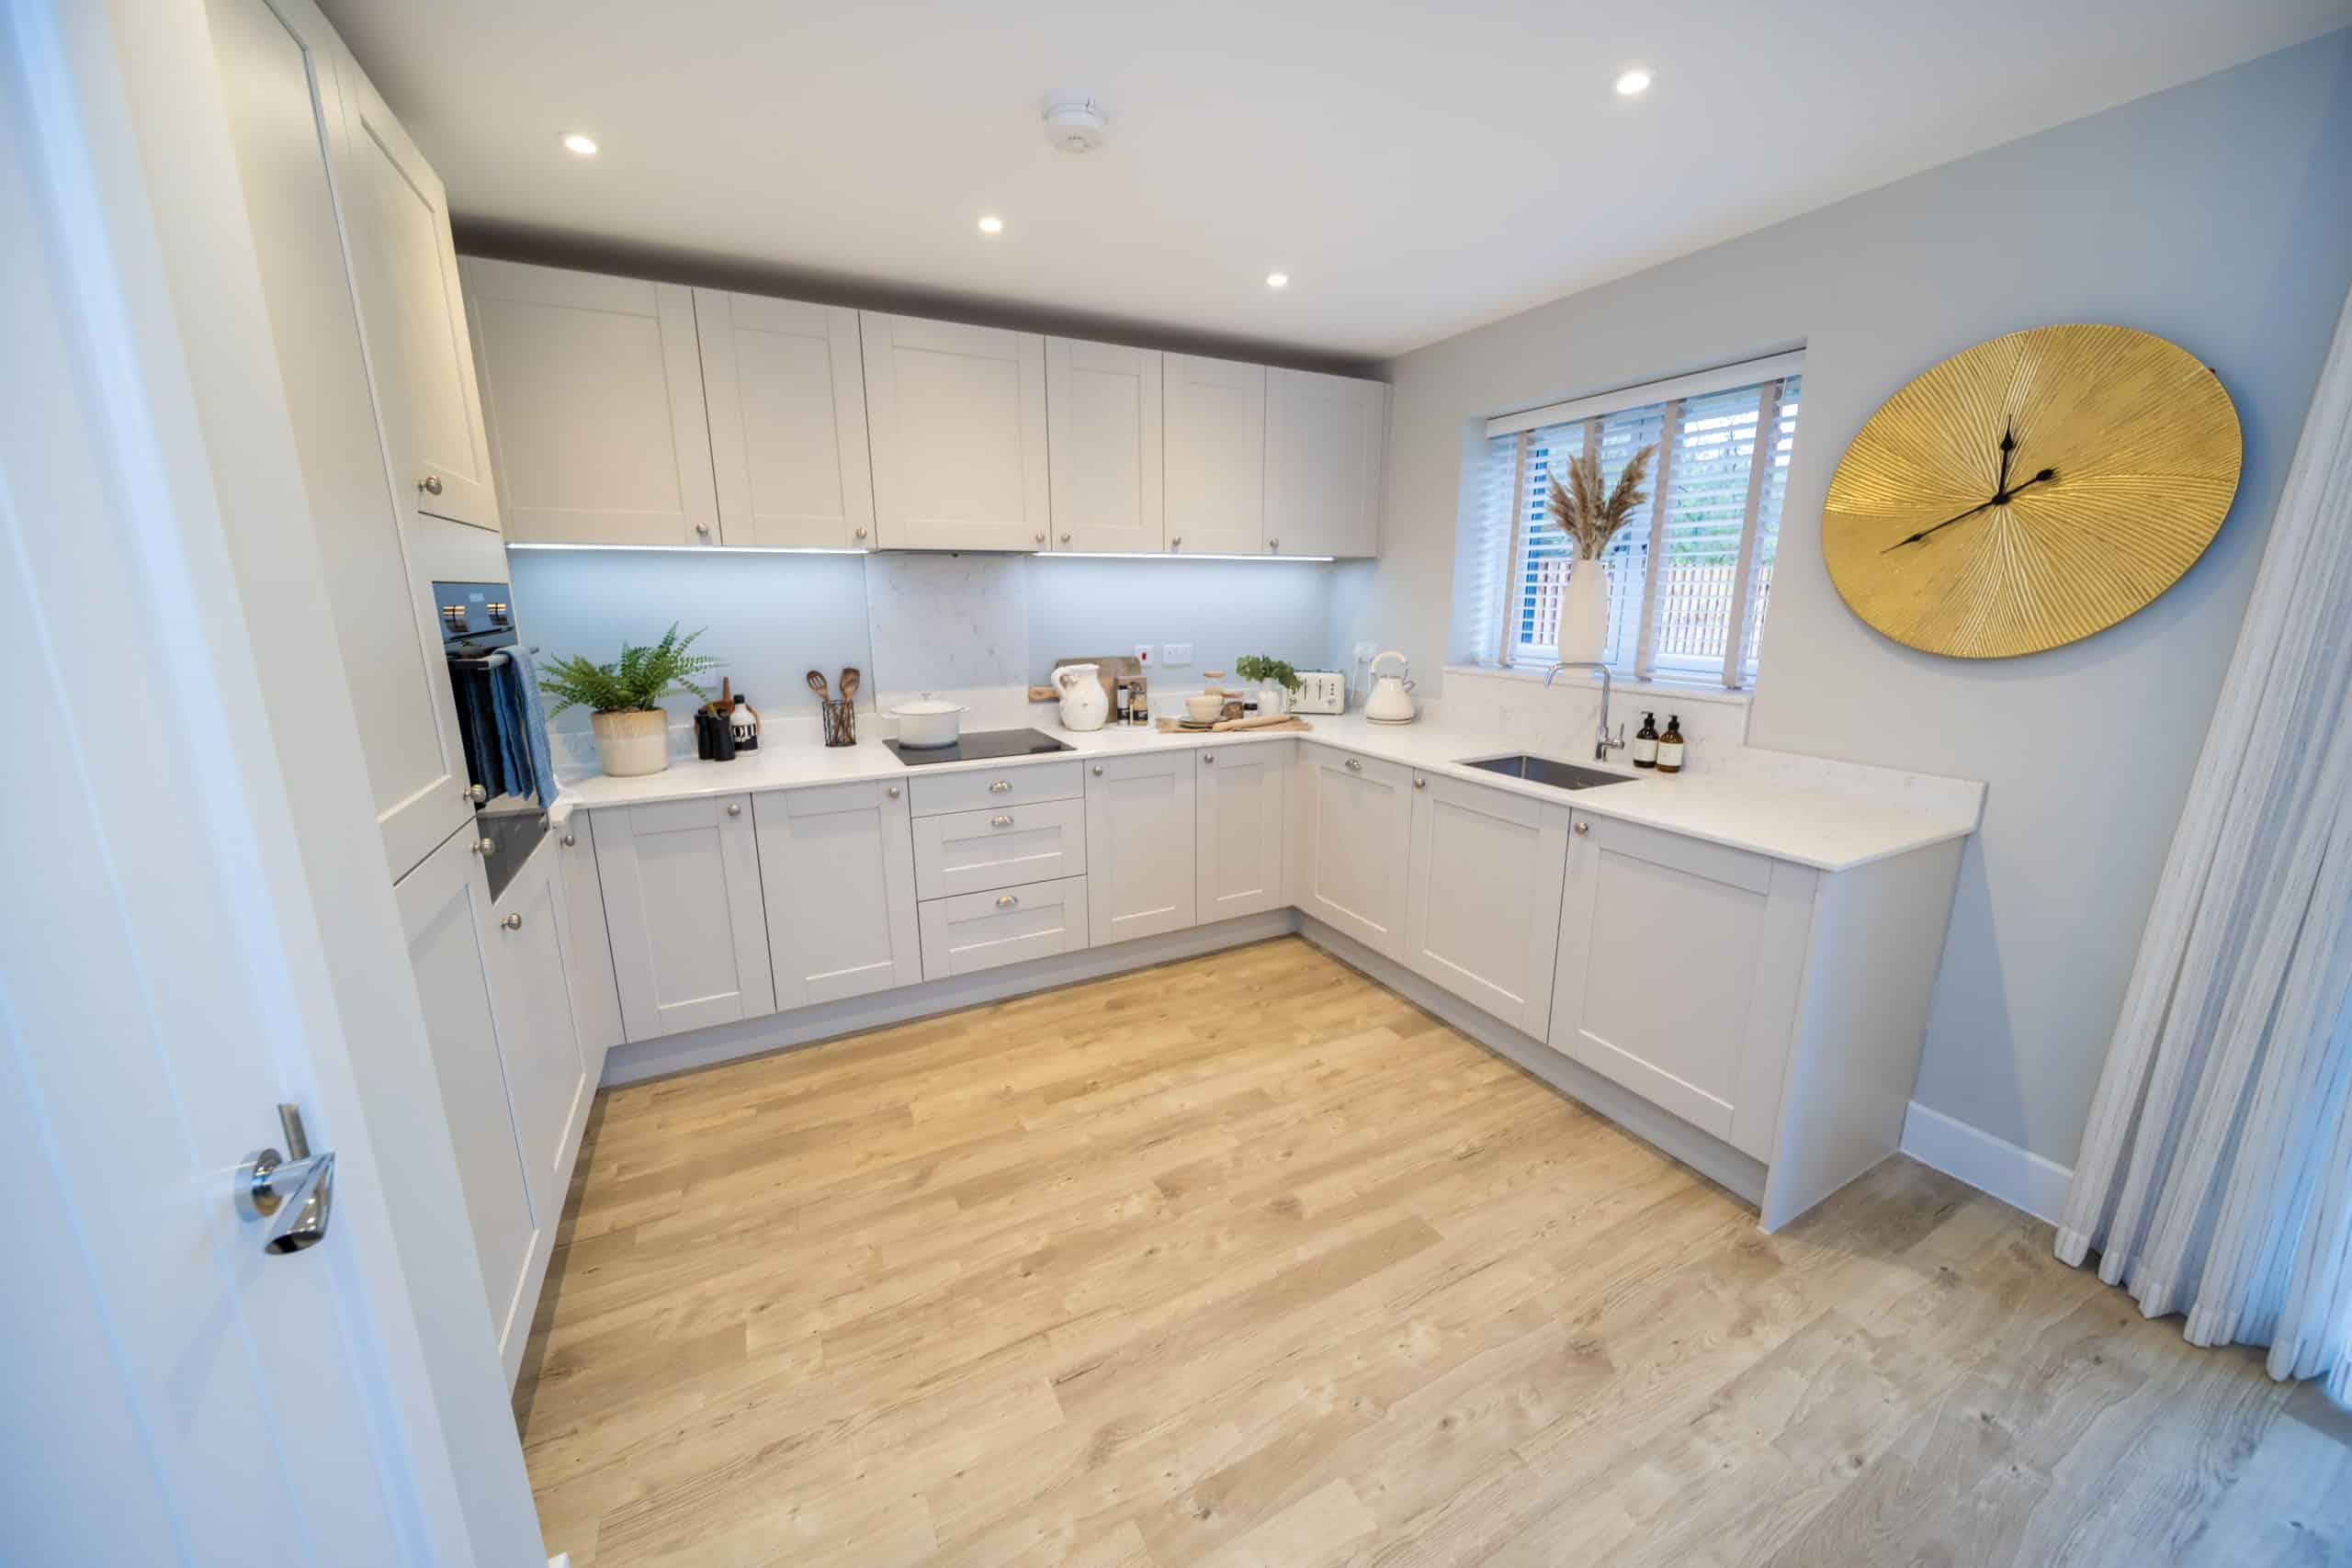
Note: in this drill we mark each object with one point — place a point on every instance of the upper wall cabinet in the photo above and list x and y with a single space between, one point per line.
412 313
1102 425
1216 423
786 389
957 417
594 388
1323 454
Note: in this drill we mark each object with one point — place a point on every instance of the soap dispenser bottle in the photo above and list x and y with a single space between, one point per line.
1670 746
1645 742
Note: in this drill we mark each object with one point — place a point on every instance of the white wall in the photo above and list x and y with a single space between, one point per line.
2219 215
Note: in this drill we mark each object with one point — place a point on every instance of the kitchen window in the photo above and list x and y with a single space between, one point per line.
1690 573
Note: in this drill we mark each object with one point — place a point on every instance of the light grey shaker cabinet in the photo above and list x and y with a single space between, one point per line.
1483 911
593 390
548 1086
1324 450
412 310
596 992
1104 446
1238 824
837 864
785 384
955 418
1214 412
1350 844
682 904
1139 851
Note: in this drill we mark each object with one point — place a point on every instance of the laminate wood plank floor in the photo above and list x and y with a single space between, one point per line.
1246 1260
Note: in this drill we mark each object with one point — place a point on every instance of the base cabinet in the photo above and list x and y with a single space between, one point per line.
1238 829
682 900
988 931
1484 905
588 953
530 993
837 872
1679 966
1351 827
1139 849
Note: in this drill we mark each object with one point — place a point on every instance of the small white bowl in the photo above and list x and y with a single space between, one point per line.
1203 709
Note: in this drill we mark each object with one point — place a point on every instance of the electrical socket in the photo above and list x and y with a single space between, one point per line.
1176 653
1143 653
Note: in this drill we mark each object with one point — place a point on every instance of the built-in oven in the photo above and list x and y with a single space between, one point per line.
477 630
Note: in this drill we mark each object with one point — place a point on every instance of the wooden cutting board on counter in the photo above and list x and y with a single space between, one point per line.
1276 721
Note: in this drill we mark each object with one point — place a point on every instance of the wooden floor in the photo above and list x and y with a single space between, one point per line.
1246 1260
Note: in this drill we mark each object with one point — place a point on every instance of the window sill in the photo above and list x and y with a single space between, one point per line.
1664 691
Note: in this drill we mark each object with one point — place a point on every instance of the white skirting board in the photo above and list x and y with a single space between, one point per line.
2017 1177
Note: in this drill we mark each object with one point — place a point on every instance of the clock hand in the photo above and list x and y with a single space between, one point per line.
2003 498
2008 444
2000 500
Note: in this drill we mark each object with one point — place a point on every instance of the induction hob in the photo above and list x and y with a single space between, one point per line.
979 745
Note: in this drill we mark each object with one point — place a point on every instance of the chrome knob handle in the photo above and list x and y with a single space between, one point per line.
1420 783
1273 544
1040 539
734 808
485 846
430 484
476 794
1584 826
1176 542
894 791
1208 756
1007 901
1098 770
570 840
513 923
1065 538
1000 821
859 535
1002 787
1354 766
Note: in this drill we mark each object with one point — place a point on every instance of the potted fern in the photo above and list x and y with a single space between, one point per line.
1275 678
623 699
1591 515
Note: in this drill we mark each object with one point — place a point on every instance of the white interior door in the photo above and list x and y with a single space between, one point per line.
414 312
176 963
1215 415
1104 423
956 420
785 385
1323 457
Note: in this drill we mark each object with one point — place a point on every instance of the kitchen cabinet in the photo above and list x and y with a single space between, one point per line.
955 418
682 905
1140 817
1483 908
1351 845
973 932
785 385
837 868
280 89
1214 412
446 913
1679 966
593 388
1238 829
547 1085
1104 446
411 312
999 846
1324 438
588 955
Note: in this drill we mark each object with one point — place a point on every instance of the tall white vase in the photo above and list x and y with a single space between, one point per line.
1584 612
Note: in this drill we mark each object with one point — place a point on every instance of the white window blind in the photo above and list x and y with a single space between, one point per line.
1690 575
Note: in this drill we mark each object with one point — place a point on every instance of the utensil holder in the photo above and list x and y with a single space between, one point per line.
840 723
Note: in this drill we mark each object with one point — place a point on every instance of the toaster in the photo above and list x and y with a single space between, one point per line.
1320 691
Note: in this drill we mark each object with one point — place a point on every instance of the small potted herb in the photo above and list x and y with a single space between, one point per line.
1275 681
623 698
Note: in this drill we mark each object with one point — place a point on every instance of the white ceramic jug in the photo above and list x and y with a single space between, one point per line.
1085 705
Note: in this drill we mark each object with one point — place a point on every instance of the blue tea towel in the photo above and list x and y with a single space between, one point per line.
529 766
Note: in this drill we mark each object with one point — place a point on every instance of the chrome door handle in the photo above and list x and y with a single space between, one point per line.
430 484
476 794
513 923
1002 787
295 1192
1354 766
1007 901
1000 821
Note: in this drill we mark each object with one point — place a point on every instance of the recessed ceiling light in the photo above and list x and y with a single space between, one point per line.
1278 280
574 141
992 224
1633 83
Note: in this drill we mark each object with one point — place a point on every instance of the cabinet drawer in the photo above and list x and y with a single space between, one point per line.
1004 846
1015 783
987 931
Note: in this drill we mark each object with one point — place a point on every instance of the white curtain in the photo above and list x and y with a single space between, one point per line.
2215 1177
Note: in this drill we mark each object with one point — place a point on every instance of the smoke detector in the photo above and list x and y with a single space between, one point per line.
1074 121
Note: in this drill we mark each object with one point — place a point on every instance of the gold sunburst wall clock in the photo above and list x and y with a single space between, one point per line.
2031 490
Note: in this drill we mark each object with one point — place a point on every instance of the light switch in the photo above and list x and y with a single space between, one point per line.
1143 653
1176 653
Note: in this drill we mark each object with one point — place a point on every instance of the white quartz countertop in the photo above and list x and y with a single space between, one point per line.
1827 825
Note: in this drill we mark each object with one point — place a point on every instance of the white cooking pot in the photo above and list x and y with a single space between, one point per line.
927 721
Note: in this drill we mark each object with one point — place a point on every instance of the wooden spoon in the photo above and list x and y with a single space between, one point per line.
850 679
817 685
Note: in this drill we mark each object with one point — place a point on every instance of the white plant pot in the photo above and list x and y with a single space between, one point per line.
1273 698
631 745
1583 614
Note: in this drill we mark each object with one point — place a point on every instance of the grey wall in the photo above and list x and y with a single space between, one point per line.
2217 214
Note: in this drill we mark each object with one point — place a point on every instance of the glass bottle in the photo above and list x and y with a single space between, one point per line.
1670 746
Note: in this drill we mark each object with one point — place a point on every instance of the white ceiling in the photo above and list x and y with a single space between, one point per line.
1416 169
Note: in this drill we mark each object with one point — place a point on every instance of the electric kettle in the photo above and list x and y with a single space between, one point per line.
1084 704
1392 695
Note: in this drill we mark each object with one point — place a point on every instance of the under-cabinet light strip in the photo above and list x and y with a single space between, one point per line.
839 550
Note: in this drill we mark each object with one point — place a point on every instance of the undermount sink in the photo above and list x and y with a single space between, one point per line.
1544 771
